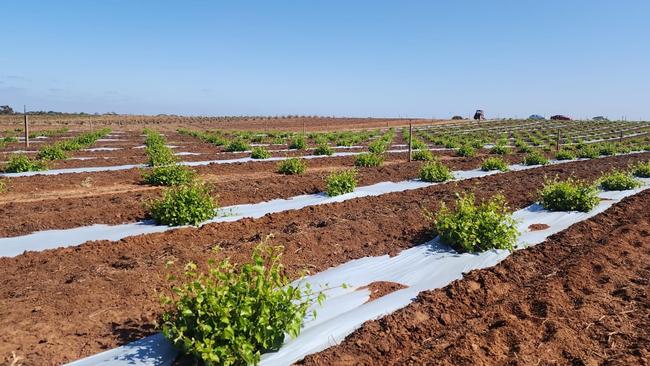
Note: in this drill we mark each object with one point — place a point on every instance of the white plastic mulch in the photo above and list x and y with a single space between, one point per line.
425 267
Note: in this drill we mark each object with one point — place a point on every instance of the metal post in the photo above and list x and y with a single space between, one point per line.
26 126
620 139
410 141
557 145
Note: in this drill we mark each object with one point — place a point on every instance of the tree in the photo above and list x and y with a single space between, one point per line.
5 109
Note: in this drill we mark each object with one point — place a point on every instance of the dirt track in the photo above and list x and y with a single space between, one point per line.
60 305
580 298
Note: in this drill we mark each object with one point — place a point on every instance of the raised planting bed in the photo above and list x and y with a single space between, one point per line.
577 299
99 295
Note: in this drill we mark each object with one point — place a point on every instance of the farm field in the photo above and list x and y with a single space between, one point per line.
85 236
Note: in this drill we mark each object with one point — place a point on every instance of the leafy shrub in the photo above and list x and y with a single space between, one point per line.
523 148
70 145
160 155
642 170
9 139
298 143
435 172
231 314
477 144
451 144
618 181
422 155
418 145
607 150
19 163
466 150
323 150
568 195
260 152
237 145
51 152
500 150
188 204
368 160
292 166
341 182
494 163
378 147
476 228
170 175
535 158
587 153
564 155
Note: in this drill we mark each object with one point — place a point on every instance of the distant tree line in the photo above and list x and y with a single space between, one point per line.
5 109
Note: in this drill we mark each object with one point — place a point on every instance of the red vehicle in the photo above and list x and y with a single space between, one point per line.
559 117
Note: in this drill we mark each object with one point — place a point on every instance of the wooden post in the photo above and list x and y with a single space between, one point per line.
410 141
620 139
557 145
303 127
26 126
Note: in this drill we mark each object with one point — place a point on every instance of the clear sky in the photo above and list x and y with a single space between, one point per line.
345 58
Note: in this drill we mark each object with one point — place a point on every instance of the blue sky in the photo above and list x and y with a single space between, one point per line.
344 58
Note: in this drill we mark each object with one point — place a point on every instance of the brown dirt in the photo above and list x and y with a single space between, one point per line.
580 298
382 288
171 123
60 305
91 203
537 227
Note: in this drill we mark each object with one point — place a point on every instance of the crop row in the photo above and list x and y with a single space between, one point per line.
22 163
214 317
